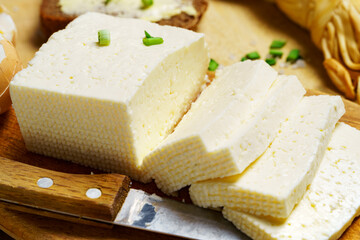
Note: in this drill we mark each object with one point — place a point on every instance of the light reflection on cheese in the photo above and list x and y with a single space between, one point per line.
161 9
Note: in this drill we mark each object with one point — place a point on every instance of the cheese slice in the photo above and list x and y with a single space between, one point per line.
108 106
330 204
230 125
273 184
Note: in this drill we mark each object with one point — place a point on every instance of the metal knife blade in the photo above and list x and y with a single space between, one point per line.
152 212
105 198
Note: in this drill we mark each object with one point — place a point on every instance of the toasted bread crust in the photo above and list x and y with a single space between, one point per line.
53 19
185 21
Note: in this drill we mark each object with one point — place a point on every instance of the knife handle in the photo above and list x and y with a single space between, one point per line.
69 193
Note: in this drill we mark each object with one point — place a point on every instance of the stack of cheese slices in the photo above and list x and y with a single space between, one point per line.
276 161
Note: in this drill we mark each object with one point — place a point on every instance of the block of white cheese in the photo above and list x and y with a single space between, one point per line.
230 125
274 183
108 106
330 204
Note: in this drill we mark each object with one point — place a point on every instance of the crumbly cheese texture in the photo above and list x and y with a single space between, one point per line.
230 125
108 106
330 204
160 9
277 181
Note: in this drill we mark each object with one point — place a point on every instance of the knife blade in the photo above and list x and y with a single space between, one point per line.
106 199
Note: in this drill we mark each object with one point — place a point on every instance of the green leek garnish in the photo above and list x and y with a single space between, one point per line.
104 37
213 65
147 35
277 44
276 53
271 61
149 40
253 55
147 3
293 55
152 41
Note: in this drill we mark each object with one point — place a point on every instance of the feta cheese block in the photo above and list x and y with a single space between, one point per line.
230 125
274 183
108 106
330 204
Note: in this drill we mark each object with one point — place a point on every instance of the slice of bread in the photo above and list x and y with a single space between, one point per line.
53 19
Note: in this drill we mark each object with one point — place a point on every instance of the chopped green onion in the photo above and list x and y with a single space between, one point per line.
277 44
147 35
244 59
104 37
147 3
213 65
152 41
149 40
293 55
276 53
107 2
271 61
253 55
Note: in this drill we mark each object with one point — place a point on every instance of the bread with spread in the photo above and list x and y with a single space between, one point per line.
56 14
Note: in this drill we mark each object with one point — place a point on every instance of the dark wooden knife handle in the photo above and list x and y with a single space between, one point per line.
19 183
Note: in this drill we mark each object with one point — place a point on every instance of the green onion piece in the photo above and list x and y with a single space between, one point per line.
213 65
104 37
277 44
244 59
293 55
147 3
147 35
253 55
152 41
107 2
276 53
271 61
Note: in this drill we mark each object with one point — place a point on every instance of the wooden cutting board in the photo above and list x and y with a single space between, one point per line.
233 28
29 227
